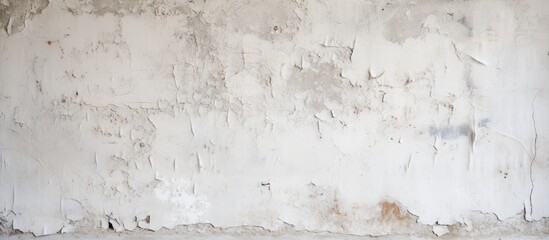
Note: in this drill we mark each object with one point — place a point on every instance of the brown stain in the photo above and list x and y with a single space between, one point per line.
391 211
50 42
336 209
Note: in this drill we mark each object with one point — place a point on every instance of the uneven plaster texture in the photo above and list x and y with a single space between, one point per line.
349 116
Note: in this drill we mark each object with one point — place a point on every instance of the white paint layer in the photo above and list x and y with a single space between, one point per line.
355 117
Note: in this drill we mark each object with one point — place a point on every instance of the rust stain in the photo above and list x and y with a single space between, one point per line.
391 211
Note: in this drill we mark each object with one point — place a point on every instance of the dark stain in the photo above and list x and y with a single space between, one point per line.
39 86
49 42
472 137
466 24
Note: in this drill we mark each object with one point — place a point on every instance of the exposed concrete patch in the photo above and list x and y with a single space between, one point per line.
14 13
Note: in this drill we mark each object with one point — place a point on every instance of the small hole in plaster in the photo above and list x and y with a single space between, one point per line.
268 185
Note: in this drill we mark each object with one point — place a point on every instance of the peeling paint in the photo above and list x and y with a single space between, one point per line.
344 117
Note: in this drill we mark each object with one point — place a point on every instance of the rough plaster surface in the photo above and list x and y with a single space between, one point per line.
349 116
278 236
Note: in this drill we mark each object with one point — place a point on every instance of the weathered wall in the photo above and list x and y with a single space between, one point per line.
347 116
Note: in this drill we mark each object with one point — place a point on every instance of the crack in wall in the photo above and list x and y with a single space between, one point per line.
529 216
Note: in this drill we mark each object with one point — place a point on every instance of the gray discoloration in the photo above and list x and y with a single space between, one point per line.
403 23
450 132
463 21
483 123
128 7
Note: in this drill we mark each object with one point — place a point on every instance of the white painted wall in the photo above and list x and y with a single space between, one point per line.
357 117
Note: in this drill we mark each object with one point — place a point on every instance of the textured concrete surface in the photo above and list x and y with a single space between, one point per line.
372 118
160 236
